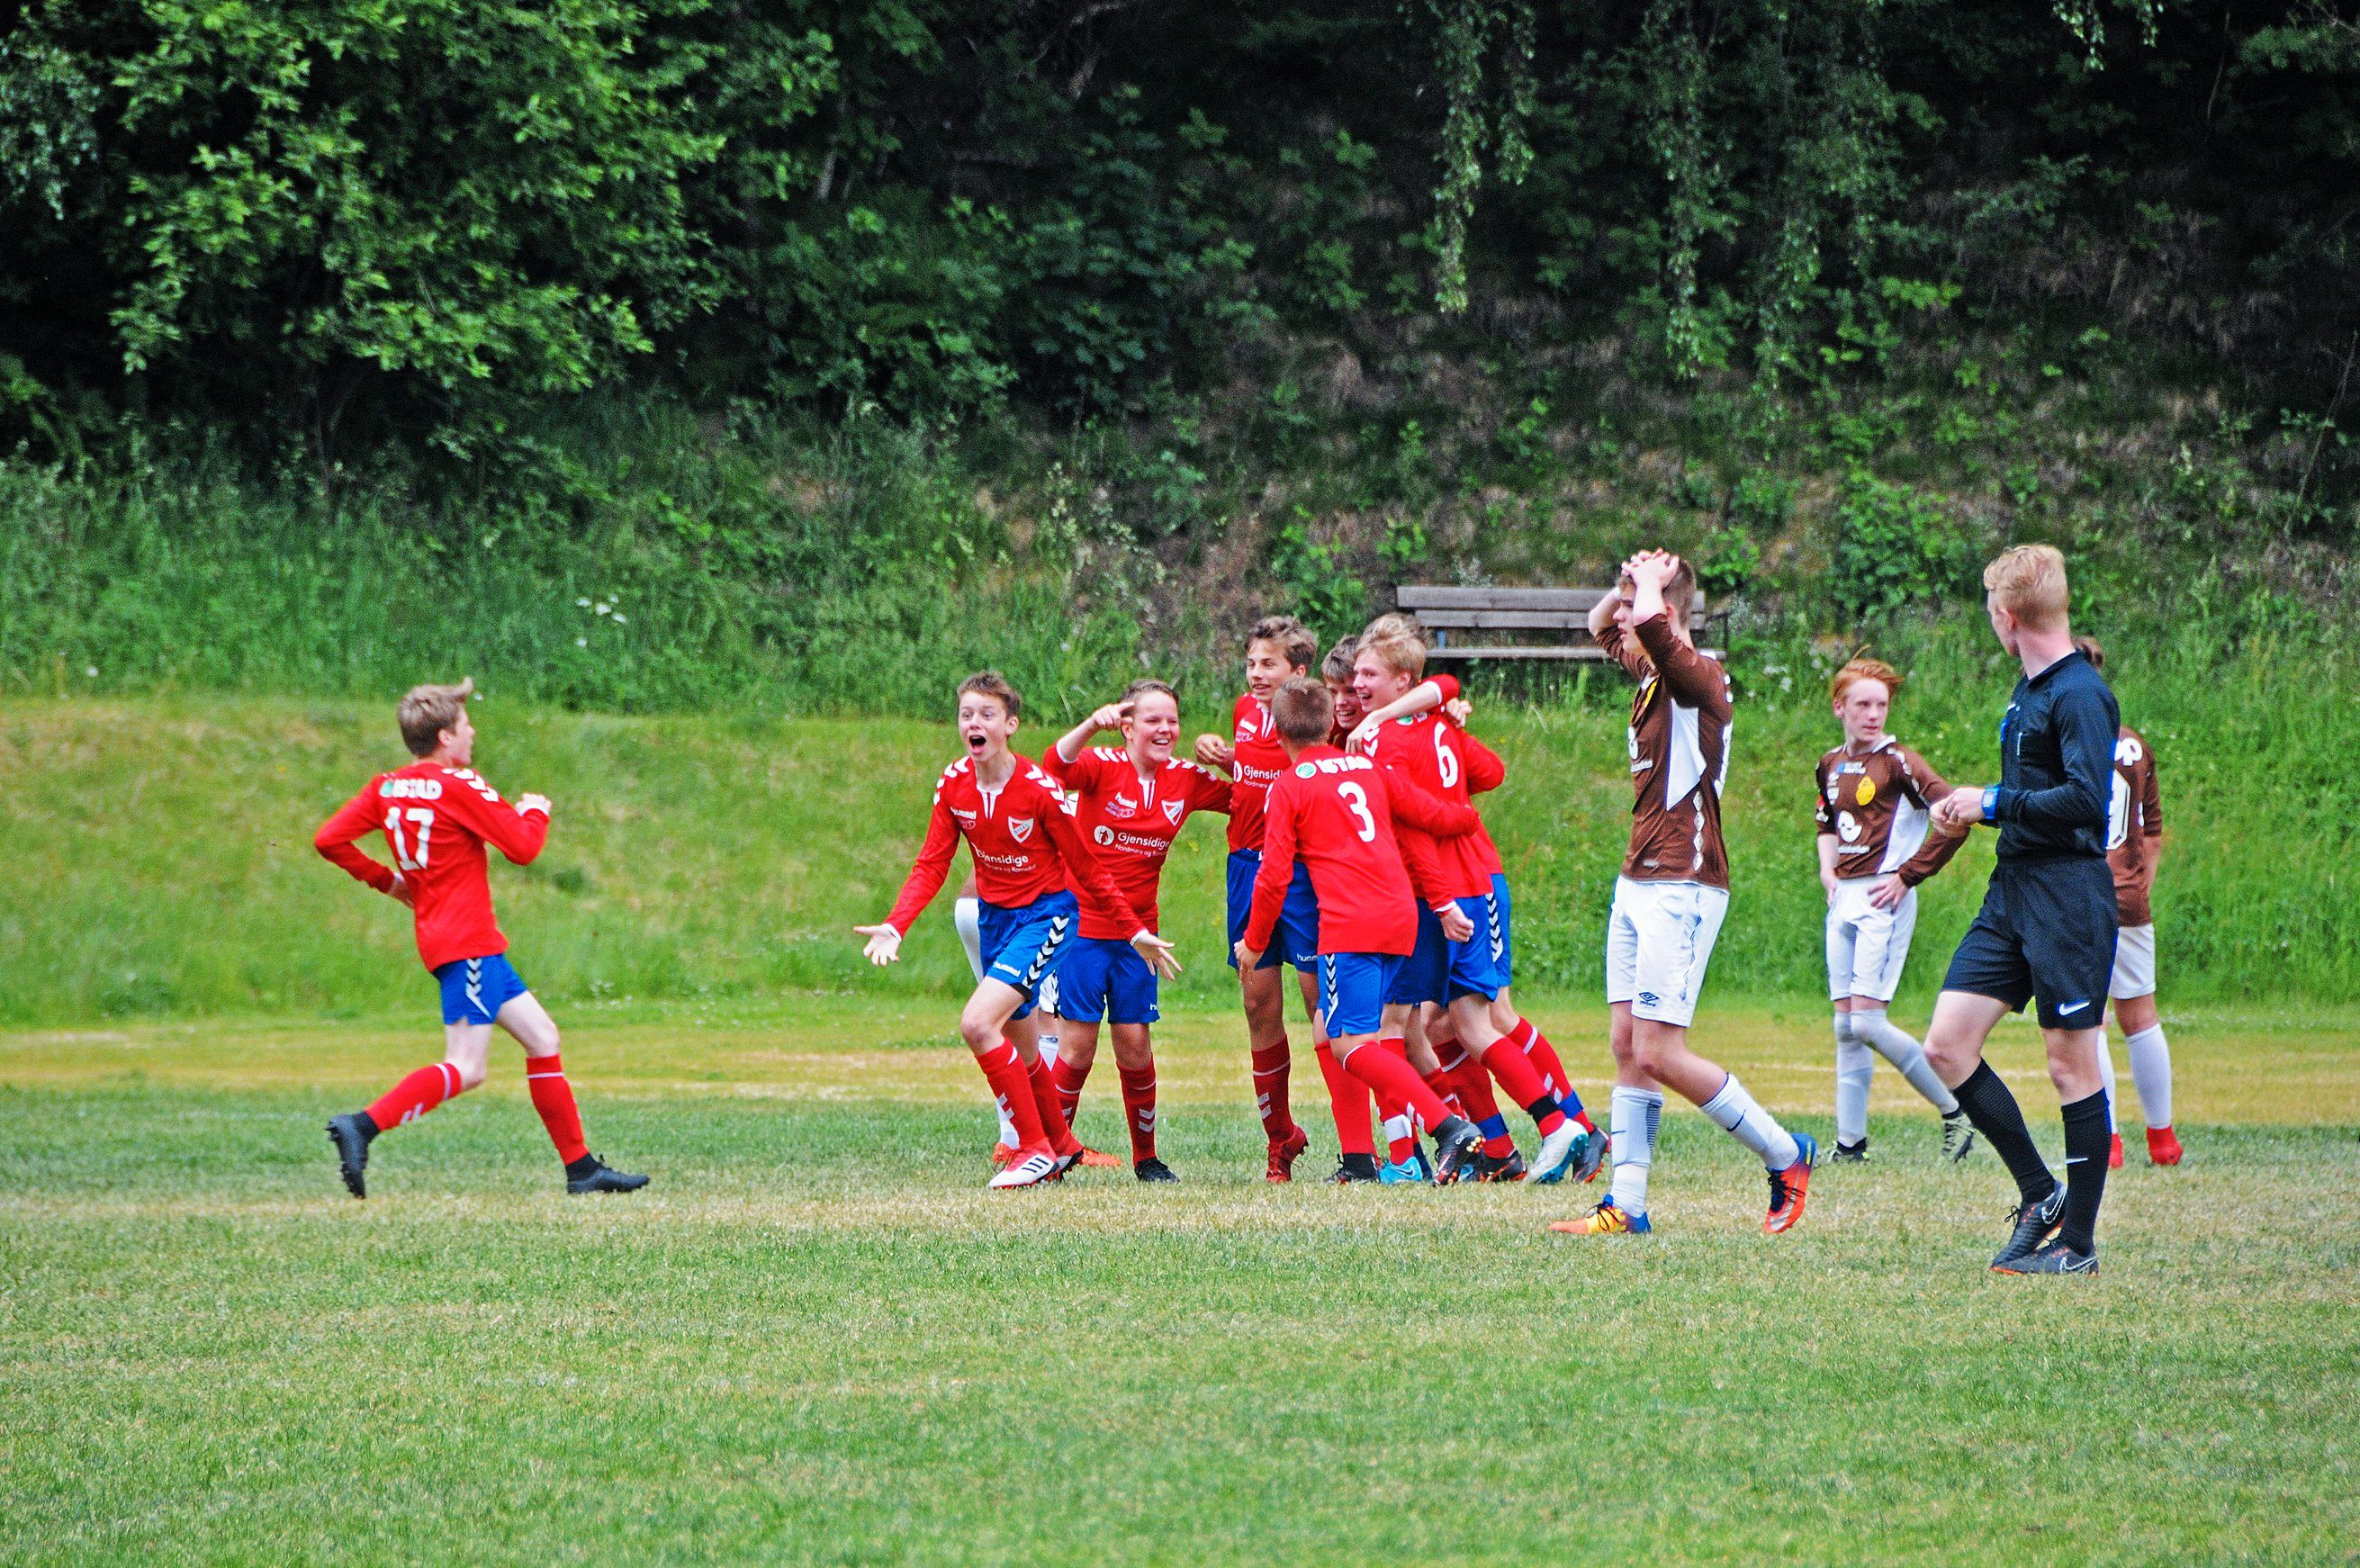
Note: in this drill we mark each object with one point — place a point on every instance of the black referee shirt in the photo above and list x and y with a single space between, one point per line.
2057 765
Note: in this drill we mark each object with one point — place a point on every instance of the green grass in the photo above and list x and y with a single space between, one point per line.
712 858
816 1339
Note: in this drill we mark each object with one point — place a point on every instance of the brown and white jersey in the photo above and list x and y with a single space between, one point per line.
1679 755
2134 827
1875 804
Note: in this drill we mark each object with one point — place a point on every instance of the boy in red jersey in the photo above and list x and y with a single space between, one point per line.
1348 1097
1031 866
1130 802
1465 977
1669 901
437 815
1277 649
1337 815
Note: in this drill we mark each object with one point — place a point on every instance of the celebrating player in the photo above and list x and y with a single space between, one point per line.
1130 802
1433 753
1872 796
2046 927
2134 847
1277 648
1335 814
1030 866
1670 899
437 815
1348 1097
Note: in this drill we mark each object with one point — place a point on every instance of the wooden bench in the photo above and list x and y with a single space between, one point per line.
1543 623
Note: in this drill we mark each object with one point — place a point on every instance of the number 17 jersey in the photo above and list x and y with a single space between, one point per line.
437 821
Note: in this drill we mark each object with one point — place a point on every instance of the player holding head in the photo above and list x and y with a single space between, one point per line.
2046 927
1130 802
1670 899
2134 847
1035 872
1278 649
437 815
1337 815
1871 795
1469 975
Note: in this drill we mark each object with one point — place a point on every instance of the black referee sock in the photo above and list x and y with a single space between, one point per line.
1996 1115
2088 1140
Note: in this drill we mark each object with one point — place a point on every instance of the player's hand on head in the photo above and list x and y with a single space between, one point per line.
884 944
1159 954
1456 927
1889 891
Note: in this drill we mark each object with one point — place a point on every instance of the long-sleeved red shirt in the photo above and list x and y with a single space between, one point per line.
1337 814
1024 844
1256 759
1484 772
1131 822
436 819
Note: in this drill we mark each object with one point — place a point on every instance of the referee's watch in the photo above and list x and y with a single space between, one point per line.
1990 803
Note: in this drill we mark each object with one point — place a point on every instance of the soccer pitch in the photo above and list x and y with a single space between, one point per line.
816 1339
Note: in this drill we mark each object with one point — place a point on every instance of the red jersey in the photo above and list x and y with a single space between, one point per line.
1132 823
436 819
1024 844
1484 773
1430 750
1337 813
1256 758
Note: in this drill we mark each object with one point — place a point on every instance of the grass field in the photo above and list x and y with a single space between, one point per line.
816 1339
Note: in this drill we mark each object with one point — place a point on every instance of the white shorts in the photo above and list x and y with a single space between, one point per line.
1658 939
1867 945
2133 963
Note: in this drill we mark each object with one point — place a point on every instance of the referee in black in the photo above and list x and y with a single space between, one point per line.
2046 929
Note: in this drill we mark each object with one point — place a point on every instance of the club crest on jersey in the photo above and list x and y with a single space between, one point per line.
1867 790
1019 828
1171 810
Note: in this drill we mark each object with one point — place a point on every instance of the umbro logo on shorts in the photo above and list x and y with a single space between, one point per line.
1648 999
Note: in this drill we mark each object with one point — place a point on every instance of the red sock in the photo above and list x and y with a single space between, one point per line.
1507 1063
1391 1109
1139 1109
1349 1099
1269 1065
415 1095
1481 1105
1446 1089
1383 1072
544 1080
1537 1050
1068 1080
1004 1070
1054 1125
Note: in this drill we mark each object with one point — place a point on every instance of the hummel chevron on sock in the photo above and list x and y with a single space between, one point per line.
2151 1070
1385 1073
415 1095
1633 1115
1269 1068
1993 1109
1139 1109
1742 1117
1068 1079
1506 1062
544 1080
2087 1138
1349 1098
1527 1038
1053 1118
1870 1026
1013 1087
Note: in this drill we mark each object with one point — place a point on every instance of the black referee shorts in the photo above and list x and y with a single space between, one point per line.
2047 930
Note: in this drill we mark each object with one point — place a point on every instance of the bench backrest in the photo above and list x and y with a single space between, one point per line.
1446 611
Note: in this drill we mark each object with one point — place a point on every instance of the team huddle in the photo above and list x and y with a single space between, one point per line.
1358 857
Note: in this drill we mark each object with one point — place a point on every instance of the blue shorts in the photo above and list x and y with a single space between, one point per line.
1507 929
1478 965
1296 940
1104 978
1022 946
474 989
1424 975
2046 930
1353 989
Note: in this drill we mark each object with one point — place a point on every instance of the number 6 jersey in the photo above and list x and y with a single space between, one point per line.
437 821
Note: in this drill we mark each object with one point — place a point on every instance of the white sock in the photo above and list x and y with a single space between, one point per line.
1632 1118
1902 1050
1855 1069
1740 1116
1397 1128
2106 1071
2151 1071
966 914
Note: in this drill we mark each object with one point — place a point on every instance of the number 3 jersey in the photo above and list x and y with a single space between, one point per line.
437 821
1679 755
1337 814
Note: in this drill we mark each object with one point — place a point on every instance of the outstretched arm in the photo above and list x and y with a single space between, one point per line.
925 880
